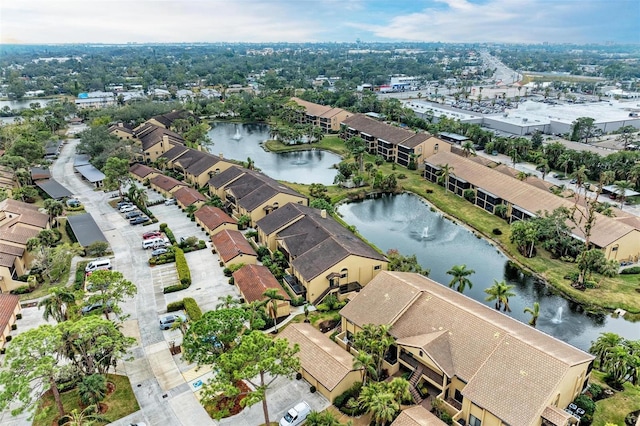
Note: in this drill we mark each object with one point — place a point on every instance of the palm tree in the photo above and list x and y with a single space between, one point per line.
535 313
382 404
55 306
500 292
460 274
445 172
92 389
622 186
565 161
87 417
227 302
468 149
54 208
273 296
616 363
324 418
522 176
603 345
365 362
399 387
253 309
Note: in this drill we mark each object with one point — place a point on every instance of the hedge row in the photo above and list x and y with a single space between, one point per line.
184 274
168 257
164 228
175 306
631 271
191 307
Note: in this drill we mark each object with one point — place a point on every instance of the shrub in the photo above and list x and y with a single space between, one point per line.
631 271
174 288
184 274
496 231
402 176
312 389
23 289
322 307
231 269
79 280
169 234
175 306
262 251
163 226
595 390
191 307
586 403
152 261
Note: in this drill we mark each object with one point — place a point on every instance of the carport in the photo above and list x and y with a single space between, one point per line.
85 229
53 189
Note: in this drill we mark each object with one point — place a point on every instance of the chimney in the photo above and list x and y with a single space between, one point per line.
323 213
221 155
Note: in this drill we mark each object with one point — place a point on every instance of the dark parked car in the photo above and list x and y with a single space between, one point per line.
138 220
133 214
96 307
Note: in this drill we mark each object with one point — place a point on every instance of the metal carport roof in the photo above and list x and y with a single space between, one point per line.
85 229
53 188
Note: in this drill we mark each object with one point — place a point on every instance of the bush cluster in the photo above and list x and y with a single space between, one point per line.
168 257
164 228
175 306
191 307
347 401
78 282
631 271
23 289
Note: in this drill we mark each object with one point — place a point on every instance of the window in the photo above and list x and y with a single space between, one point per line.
614 248
344 273
474 421
377 267
458 396
435 147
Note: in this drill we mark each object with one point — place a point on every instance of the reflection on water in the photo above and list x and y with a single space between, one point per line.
241 141
411 227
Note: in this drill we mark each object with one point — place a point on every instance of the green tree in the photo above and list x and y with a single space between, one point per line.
626 135
258 360
31 364
31 150
116 172
468 149
588 262
446 171
255 313
54 208
97 249
92 389
227 302
401 263
365 362
460 274
27 194
273 297
500 292
524 234
622 186
324 418
535 313
93 344
382 403
57 304
111 289
602 346
89 416
357 147
582 129
214 333
374 340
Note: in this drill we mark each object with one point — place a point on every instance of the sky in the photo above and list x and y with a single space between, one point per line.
259 21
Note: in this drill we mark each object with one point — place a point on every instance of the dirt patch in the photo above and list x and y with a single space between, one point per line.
223 406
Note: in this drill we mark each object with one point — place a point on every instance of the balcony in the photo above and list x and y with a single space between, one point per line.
429 373
295 285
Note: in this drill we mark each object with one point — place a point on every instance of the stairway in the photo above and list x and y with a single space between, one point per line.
413 381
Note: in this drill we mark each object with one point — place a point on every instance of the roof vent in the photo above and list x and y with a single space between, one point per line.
323 213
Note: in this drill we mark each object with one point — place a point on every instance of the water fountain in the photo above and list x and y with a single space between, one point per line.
425 232
557 318
237 136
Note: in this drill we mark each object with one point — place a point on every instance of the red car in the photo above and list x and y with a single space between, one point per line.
151 234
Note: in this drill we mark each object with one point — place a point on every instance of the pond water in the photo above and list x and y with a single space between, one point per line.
411 227
240 141
24 103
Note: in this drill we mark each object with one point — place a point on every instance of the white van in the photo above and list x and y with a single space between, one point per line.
97 264
154 242
296 415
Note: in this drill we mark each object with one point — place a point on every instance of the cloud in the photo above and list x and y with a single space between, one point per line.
513 21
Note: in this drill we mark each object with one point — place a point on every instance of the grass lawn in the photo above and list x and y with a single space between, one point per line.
316 317
614 409
329 143
121 403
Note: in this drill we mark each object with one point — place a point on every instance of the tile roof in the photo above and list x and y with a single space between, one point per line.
254 280
253 189
212 217
314 243
21 213
142 170
417 416
223 178
38 173
8 304
204 164
175 152
556 415
327 362
388 133
230 244
189 157
151 134
487 349
188 196
165 182
605 231
314 109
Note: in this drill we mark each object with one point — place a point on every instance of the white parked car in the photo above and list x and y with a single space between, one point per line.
296 415
126 209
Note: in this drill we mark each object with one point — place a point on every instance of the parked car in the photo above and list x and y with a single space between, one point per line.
152 234
167 321
95 307
138 220
296 415
133 214
124 203
127 208
72 202
97 264
158 252
170 202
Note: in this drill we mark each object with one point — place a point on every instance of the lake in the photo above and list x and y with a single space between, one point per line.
412 227
240 141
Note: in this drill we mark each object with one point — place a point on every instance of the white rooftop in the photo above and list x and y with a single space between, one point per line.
541 113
